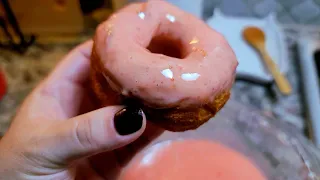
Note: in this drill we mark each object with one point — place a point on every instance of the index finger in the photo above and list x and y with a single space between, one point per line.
75 66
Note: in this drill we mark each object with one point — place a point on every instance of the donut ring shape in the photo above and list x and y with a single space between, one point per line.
175 66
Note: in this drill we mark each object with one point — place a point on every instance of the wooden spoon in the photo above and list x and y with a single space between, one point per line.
256 38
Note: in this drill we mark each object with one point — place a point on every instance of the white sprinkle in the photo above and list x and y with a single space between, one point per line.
141 15
167 73
171 17
152 152
190 76
125 92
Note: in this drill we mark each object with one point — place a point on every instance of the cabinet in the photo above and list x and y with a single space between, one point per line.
48 16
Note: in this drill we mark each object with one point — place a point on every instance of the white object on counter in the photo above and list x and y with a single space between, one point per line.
194 7
250 63
307 46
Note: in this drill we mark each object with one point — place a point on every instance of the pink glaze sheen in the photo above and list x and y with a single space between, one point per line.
206 70
190 160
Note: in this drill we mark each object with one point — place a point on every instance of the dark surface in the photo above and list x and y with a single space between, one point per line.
90 6
10 20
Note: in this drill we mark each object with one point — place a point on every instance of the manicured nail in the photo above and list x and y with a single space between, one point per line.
128 120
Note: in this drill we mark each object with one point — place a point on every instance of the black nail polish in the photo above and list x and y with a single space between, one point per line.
128 120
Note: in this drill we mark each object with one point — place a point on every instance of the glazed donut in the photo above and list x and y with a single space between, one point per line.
178 69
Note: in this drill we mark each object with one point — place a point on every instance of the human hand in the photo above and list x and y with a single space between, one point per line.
51 138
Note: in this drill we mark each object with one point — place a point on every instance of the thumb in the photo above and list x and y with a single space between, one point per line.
105 129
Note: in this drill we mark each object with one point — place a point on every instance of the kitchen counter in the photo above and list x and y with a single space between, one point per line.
24 72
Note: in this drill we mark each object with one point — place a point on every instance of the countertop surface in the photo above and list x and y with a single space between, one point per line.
23 73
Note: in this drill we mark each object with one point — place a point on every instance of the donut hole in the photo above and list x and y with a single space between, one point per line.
167 45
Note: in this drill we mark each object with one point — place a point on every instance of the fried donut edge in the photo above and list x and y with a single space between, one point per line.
172 119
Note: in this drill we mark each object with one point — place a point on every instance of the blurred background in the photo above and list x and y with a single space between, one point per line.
35 35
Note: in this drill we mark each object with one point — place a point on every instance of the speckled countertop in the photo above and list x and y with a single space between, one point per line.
25 71
269 100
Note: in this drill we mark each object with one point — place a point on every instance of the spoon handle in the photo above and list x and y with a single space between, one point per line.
282 82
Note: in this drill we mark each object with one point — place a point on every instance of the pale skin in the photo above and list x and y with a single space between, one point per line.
58 133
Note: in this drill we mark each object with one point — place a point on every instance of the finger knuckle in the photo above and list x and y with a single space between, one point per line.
84 134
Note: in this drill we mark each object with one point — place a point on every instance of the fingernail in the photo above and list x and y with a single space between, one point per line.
128 120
